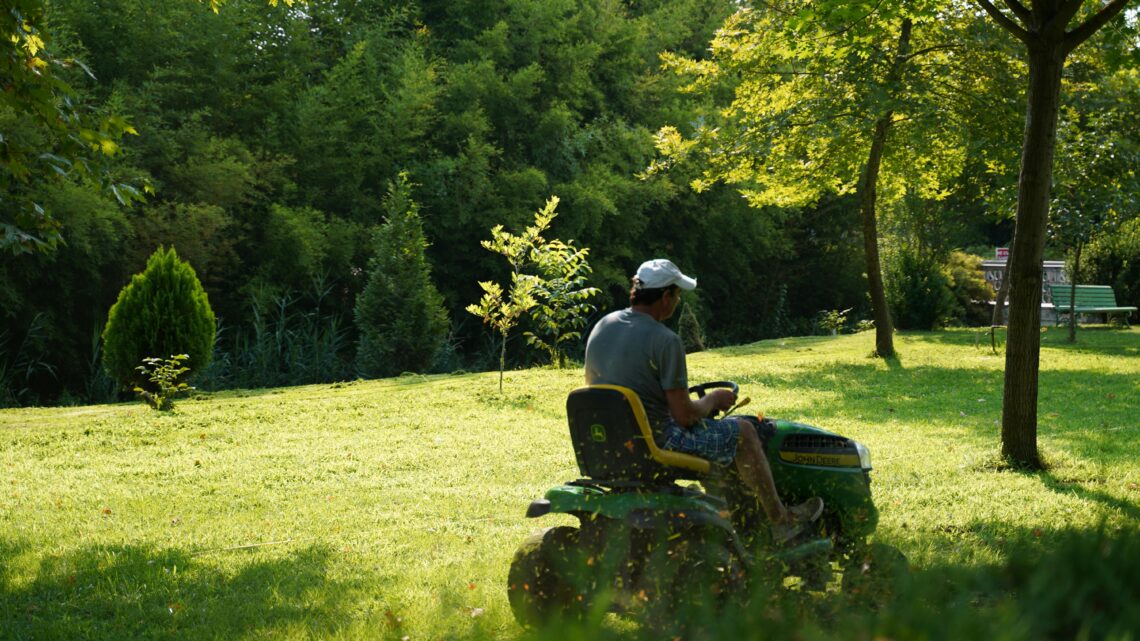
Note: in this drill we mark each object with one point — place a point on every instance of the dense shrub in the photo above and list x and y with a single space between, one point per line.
918 290
294 339
163 311
971 291
689 327
1114 259
400 314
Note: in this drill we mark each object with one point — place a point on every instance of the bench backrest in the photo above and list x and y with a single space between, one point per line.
1086 296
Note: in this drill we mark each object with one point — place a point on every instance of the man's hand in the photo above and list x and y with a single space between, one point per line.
687 411
720 399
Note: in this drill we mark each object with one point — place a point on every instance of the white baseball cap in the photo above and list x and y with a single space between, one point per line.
659 272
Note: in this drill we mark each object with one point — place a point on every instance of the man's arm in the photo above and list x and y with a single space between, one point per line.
686 411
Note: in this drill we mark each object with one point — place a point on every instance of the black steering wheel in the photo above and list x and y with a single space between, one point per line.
700 390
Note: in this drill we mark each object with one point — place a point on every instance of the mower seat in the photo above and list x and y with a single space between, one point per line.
613 441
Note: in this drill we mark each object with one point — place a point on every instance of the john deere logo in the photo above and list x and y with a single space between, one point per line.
598 432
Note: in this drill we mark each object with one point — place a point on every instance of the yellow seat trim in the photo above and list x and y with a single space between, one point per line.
664 457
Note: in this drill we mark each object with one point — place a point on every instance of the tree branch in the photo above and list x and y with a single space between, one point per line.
927 50
1074 38
1019 10
1005 21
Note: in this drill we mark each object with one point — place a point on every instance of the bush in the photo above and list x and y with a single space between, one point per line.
400 314
689 327
918 290
970 289
1114 259
162 311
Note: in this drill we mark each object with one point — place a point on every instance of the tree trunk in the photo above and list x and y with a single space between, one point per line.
998 319
1073 294
1003 291
868 194
1023 345
502 361
884 327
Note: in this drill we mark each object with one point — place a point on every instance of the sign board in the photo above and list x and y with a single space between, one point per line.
1002 253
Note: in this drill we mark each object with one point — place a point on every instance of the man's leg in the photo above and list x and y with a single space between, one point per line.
757 474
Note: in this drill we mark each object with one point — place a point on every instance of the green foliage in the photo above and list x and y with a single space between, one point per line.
1114 259
292 339
831 321
548 281
399 314
163 310
502 310
929 290
689 329
970 289
822 76
65 138
163 375
22 361
561 297
918 290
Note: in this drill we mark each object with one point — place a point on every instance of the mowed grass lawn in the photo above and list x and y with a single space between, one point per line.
391 509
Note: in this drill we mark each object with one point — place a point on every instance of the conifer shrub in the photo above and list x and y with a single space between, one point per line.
689 328
163 311
400 314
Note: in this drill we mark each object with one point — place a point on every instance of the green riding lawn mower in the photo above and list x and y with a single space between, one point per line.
648 546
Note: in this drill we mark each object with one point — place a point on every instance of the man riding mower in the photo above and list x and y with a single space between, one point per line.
644 542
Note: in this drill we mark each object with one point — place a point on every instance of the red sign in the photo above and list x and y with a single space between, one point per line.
1003 252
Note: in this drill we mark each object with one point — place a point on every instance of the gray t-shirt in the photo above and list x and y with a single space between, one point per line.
633 350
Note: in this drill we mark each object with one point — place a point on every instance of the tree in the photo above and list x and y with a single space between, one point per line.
836 97
1043 27
1097 185
561 296
400 314
557 291
161 313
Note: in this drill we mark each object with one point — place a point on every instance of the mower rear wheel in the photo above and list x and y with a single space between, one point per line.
547 578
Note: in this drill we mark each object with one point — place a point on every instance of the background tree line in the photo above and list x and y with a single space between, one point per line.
274 142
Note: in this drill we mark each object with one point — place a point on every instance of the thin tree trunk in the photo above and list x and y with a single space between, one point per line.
1023 345
1073 294
998 319
884 327
502 362
1003 291
868 194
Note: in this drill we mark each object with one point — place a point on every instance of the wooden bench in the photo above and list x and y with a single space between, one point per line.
1090 299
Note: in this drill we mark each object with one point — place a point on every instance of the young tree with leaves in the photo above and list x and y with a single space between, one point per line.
562 298
558 290
1050 30
832 97
400 314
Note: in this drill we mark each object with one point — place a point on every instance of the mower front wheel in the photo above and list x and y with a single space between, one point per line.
547 579
874 574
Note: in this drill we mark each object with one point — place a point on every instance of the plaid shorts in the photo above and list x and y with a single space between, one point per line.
711 439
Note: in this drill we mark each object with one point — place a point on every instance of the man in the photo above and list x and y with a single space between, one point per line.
633 348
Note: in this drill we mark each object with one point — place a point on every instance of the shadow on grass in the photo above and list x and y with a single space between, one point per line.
1057 585
1090 415
1129 508
138 592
